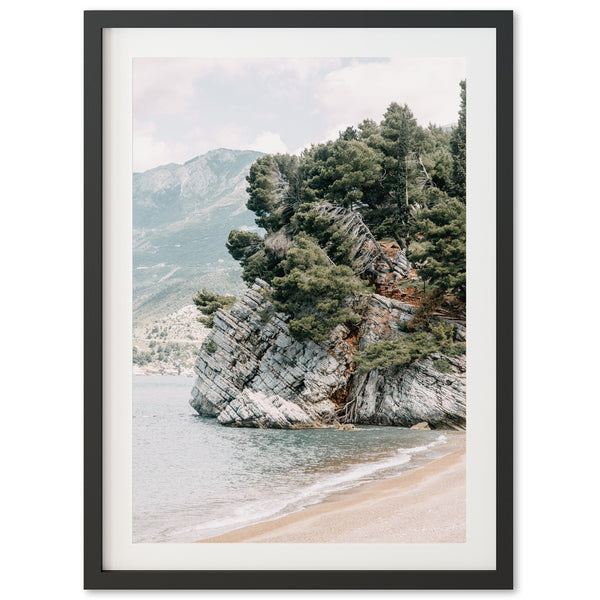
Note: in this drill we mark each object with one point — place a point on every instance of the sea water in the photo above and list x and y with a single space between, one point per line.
194 478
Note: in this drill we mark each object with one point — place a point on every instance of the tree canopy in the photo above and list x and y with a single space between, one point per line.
316 294
458 146
442 250
403 182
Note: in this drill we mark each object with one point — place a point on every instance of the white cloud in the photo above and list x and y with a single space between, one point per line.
162 85
148 152
330 134
230 135
299 70
181 104
364 90
269 142
167 85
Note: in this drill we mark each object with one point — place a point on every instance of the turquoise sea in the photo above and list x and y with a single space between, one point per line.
193 478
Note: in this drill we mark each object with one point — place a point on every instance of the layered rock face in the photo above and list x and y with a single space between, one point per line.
251 372
419 394
410 395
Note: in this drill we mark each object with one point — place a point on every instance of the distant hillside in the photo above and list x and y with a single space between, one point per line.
182 215
169 346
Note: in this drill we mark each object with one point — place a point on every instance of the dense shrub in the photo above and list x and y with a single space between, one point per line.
404 350
442 365
209 303
316 294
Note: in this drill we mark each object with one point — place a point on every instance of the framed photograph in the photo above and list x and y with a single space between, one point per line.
298 299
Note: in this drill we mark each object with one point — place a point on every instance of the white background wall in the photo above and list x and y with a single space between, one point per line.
41 249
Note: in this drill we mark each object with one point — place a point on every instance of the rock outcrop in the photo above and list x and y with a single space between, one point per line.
252 373
410 395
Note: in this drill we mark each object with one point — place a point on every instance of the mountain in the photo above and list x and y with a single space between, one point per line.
182 215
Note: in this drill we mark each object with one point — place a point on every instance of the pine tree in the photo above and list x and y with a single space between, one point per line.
261 190
342 172
458 147
396 175
327 232
398 130
353 170
316 294
437 157
209 303
348 134
243 244
441 250
273 190
400 134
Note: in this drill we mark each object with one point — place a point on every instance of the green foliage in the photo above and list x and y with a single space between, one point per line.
210 347
369 132
243 244
317 295
441 250
261 189
273 189
399 131
342 172
404 350
265 315
442 365
396 141
257 261
326 231
372 168
437 157
398 176
263 264
174 353
444 337
458 146
395 353
209 303
141 357
348 134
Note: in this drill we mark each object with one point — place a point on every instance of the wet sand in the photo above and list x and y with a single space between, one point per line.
427 505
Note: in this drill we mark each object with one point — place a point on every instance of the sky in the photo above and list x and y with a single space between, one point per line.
184 107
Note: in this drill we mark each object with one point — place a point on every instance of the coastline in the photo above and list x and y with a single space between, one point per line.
162 369
425 505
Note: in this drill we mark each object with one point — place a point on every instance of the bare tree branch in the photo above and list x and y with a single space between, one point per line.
366 250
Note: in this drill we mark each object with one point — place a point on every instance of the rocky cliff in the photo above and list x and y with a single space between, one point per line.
251 372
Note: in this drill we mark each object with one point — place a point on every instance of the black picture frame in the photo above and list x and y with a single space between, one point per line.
95 577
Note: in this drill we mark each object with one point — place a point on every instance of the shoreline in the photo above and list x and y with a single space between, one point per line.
169 371
424 505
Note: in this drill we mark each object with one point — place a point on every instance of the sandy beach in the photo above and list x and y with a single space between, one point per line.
426 505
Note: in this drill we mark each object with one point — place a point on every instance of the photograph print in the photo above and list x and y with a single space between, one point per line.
299 300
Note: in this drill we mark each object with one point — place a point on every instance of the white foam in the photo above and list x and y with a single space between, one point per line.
263 510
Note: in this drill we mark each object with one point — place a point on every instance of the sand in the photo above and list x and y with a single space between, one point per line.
426 505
